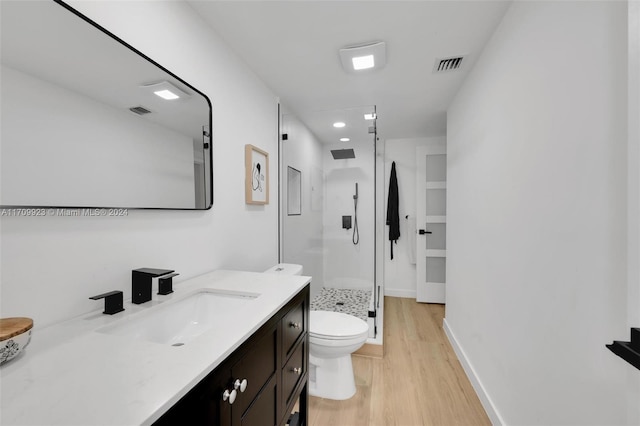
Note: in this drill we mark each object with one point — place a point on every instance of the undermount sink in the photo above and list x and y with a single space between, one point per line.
177 323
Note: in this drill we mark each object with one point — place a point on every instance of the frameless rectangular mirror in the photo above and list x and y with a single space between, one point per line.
89 121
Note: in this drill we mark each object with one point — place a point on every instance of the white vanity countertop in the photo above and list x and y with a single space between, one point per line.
72 375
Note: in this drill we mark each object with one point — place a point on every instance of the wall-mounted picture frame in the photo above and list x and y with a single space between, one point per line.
256 163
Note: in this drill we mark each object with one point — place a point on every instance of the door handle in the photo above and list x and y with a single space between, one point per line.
424 231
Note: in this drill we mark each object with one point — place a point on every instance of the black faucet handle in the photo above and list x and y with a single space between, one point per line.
165 283
113 301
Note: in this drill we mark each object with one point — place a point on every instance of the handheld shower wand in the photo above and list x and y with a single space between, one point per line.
356 234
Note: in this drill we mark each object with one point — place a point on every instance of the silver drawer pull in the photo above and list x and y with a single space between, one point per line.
295 325
231 396
240 384
297 370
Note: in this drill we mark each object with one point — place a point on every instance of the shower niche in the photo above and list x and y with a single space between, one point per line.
294 191
333 235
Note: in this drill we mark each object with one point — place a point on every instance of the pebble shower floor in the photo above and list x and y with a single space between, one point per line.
349 301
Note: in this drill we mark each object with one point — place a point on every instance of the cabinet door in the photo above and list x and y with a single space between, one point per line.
262 411
216 410
204 404
257 367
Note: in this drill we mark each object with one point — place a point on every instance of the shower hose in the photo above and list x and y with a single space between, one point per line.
356 234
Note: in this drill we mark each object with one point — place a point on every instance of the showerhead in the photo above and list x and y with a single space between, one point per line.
342 154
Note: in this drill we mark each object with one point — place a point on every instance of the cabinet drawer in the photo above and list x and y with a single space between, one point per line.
293 325
293 371
257 366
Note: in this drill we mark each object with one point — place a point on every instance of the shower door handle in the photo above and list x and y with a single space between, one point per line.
424 231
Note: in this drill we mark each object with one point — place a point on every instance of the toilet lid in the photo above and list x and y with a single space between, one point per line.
336 325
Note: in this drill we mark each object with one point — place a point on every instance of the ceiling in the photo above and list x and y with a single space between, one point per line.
293 47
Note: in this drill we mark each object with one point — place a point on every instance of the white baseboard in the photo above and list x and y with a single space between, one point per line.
407 294
485 400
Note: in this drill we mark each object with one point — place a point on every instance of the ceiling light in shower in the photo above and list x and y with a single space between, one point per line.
166 90
364 56
339 124
371 116
344 139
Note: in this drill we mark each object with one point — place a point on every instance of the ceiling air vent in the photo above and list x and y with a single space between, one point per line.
448 64
140 110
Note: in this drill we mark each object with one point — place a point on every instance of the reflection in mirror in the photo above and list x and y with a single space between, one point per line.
84 123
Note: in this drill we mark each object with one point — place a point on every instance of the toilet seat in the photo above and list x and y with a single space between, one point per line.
335 343
325 325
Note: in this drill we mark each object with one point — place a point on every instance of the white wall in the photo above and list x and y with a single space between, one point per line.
51 265
83 152
302 241
536 250
400 273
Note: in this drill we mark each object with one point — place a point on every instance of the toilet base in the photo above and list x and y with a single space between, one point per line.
331 378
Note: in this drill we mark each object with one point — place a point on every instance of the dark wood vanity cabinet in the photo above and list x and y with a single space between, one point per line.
274 362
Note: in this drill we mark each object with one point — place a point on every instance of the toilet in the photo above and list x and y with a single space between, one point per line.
333 337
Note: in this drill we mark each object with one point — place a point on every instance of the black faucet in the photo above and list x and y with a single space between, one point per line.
141 283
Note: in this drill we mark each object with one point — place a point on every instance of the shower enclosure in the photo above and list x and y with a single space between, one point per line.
328 208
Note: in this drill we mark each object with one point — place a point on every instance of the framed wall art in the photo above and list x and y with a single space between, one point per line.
256 162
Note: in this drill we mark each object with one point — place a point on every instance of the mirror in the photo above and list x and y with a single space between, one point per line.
81 124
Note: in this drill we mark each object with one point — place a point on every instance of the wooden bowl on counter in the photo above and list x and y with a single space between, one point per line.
15 335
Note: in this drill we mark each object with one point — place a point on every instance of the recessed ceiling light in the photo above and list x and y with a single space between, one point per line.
364 56
363 62
344 139
371 116
166 90
339 124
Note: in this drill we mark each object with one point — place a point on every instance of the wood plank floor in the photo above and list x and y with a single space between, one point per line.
418 382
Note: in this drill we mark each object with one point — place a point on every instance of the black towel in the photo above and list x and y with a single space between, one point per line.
393 216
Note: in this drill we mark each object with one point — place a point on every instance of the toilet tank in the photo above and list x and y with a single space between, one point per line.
285 269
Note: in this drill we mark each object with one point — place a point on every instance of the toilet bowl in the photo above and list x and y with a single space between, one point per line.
333 337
